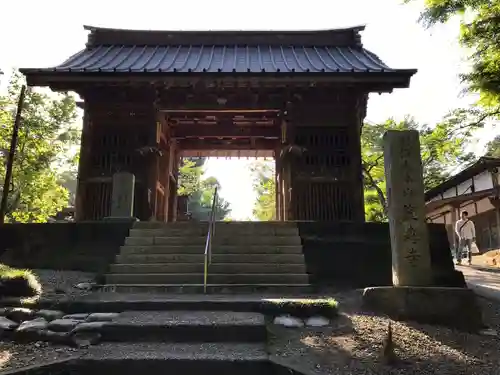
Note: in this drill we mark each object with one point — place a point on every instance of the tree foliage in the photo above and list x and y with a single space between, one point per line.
265 188
443 150
200 191
46 135
493 148
480 34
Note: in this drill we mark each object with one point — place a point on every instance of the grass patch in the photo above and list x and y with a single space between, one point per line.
20 283
302 308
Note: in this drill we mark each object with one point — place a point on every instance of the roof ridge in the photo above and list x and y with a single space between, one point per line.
355 28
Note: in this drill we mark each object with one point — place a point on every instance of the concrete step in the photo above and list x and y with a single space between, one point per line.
189 225
197 278
181 358
216 249
217 268
193 289
216 258
185 326
218 240
219 230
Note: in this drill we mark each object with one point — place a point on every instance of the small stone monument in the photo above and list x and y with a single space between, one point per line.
411 261
414 295
122 198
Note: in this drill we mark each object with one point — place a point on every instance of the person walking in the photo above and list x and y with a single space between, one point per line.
466 232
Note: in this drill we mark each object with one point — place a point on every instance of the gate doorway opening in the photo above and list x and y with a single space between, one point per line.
246 188
231 149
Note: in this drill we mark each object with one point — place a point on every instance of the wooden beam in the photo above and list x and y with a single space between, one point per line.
260 144
225 130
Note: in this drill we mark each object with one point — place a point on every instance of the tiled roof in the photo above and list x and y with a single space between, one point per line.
226 59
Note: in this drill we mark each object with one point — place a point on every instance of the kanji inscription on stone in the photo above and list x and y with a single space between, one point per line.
411 262
122 198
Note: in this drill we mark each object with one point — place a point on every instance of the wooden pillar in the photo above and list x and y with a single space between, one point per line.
83 165
277 179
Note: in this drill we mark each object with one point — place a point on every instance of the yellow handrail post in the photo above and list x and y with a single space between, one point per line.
208 243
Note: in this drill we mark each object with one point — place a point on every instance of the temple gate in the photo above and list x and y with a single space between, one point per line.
152 97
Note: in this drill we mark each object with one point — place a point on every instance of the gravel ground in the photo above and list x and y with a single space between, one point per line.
58 284
353 345
16 356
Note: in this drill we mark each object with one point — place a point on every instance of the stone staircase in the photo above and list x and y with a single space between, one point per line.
170 256
184 342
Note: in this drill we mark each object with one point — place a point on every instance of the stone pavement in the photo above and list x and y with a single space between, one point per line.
484 283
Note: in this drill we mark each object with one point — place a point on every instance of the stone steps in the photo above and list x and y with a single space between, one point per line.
216 258
216 249
184 326
243 254
181 358
197 278
222 289
235 240
214 268
221 230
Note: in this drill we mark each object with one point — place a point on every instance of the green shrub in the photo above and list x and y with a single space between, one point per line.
302 308
18 283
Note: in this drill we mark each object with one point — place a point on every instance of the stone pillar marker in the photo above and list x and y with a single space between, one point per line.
122 198
411 260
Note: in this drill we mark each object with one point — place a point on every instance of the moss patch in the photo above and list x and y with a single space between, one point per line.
20 283
302 308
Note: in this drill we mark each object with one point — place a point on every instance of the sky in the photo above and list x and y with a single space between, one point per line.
44 33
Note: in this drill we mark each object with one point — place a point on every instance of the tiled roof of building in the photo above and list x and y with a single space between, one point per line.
482 164
323 51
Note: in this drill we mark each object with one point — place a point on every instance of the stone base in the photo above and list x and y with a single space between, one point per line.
453 307
117 219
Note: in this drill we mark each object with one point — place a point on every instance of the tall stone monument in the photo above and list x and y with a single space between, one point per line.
122 198
411 261
413 295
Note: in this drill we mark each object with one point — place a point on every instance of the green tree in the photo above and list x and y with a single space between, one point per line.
443 150
493 148
265 188
200 191
45 138
480 34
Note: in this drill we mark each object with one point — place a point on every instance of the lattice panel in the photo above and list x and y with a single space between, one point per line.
322 201
97 200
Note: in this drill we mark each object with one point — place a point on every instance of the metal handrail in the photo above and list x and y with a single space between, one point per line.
208 243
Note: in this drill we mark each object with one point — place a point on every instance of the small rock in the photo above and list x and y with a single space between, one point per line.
20 314
7 324
317 321
81 316
50 315
89 326
37 324
288 321
63 325
55 337
84 339
102 317
488 332
84 286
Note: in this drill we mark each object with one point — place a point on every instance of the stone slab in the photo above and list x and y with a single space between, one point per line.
216 249
162 351
411 262
186 326
122 198
194 318
214 268
216 258
454 307
183 278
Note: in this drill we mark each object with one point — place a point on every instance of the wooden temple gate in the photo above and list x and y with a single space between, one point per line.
151 98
